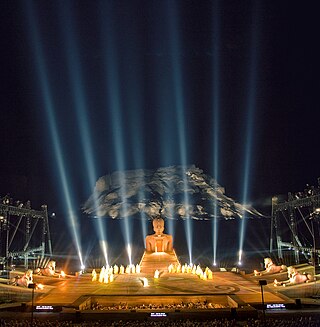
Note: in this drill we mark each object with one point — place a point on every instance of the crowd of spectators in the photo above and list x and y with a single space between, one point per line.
153 306
292 322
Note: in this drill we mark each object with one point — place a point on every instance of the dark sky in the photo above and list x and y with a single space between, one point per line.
130 77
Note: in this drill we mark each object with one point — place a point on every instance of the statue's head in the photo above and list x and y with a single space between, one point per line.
29 273
51 264
267 261
291 271
158 226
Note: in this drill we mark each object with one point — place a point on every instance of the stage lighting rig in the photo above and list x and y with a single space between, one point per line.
296 215
315 213
23 230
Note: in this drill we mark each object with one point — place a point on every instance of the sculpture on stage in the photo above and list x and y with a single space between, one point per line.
159 242
94 275
24 280
270 268
49 270
294 278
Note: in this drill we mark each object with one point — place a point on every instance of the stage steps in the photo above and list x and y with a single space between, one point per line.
152 261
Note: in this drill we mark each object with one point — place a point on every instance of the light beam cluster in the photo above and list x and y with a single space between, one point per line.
124 93
251 108
49 106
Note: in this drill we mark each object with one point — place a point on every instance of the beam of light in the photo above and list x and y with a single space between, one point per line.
126 228
251 104
189 237
171 227
129 251
167 144
171 222
87 254
134 103
104 247
165 118
166 153
80 104
143 220
101 231
214 233
114 106
47 98
216 116
180 108
240 257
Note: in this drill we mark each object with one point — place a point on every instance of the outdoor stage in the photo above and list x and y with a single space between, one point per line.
156 288
231 293
227 290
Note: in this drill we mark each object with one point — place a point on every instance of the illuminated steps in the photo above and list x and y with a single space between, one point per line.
152 261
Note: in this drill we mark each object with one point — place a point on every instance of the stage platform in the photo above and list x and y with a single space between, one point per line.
227 290
79 292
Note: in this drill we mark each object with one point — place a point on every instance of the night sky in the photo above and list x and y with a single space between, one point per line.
147 84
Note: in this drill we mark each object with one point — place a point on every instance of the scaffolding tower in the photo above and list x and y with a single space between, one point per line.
24 234
295 226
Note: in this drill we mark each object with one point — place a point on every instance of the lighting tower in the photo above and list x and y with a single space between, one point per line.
292 224
24 232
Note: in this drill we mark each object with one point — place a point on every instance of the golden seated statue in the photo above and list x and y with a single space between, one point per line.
159 242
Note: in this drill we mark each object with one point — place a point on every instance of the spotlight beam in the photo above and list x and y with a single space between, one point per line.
114 104
251 107
80 103
137 137
216 116
179 110
47 99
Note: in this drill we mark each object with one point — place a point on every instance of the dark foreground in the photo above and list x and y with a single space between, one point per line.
295 320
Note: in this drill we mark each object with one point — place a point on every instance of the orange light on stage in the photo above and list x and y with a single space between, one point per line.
62 274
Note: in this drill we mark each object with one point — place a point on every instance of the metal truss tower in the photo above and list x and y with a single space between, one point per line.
295 226
24 234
